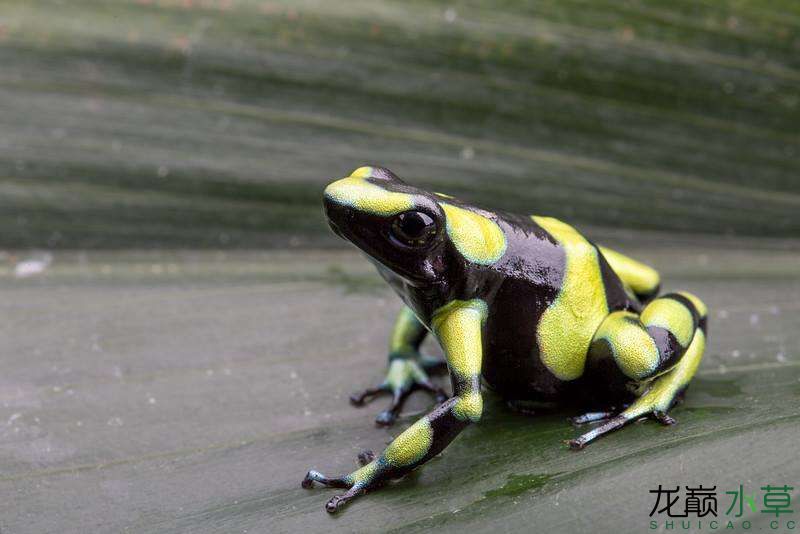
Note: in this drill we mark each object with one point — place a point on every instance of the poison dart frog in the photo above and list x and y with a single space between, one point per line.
523 305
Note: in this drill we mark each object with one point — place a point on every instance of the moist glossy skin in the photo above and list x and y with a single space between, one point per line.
522 304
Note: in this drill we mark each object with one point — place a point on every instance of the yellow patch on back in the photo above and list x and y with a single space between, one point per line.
362 195
567 326
634 350
410 446
477 238
670 315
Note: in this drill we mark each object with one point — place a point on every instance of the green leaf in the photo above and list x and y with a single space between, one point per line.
190 392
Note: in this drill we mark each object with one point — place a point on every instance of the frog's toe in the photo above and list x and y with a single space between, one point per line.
332 506
612 423
609 425
365 457
338 501
432 365
362 397
387 417
400 395
437 392
590 417
315 476
404 377
664 418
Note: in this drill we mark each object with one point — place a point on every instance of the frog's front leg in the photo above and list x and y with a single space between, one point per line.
660 350
408 369
458 328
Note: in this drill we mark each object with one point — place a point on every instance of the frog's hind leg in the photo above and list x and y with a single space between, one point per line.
659 350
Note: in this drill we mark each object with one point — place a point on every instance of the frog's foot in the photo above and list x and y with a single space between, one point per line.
356 483
661 395
404 376
590 417
315 476
613 423
364 458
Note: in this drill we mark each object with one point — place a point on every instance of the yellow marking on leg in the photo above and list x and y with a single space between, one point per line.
458 328
364 474
567 326
670 315
406 329
663 389
410 446
469 407
698 304
634 351
642 278
403 372
365 196
478 238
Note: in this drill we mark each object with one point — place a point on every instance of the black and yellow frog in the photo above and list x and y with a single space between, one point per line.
523 304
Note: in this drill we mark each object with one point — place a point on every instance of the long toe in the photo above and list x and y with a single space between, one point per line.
386 418
332 506
362 397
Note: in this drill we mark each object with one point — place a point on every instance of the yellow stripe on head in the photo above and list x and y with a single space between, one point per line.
355 191
478 238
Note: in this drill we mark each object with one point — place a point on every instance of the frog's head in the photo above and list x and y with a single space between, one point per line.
399 226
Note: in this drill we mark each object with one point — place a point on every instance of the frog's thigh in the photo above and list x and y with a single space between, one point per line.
645 346
661 393
622 341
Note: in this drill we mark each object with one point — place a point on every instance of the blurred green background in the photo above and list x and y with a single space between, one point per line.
216 123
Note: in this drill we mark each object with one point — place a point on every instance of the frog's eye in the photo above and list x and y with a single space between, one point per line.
413 228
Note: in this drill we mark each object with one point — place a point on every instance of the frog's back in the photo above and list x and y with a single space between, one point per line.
551 290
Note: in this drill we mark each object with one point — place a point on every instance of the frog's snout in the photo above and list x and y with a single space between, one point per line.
336 214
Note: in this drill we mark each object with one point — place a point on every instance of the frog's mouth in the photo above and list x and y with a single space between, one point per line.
336 230
335 212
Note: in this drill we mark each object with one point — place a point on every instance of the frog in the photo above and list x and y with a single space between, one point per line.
524 306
